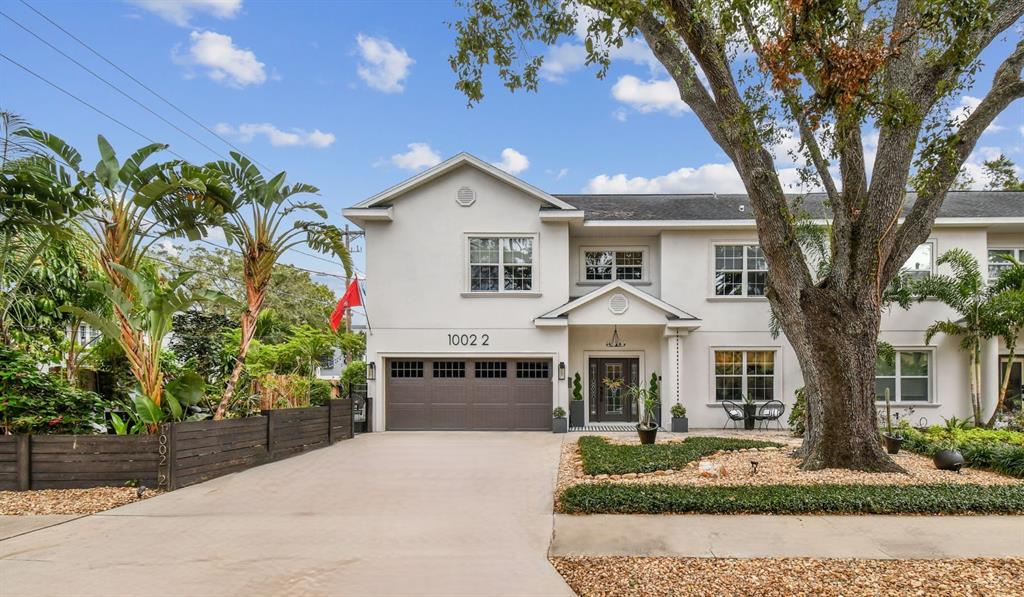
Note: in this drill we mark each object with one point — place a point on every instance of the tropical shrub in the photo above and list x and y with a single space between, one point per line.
1000 450
292 391
354 374
798 416
601 457
32 401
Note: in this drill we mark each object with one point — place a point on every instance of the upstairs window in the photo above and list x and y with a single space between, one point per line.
998 261
607 265
500 264
921 263
740 270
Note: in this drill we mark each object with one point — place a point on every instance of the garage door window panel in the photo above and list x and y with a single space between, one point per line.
406 369
491 370
449 369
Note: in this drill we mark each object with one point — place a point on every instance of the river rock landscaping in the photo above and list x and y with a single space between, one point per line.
784 577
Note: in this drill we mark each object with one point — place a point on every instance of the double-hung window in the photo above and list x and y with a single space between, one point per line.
907 377
998 261
740 270
501 264
740 373
607 265
921 263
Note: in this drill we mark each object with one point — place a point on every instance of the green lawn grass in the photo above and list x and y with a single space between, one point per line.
601 457
620 498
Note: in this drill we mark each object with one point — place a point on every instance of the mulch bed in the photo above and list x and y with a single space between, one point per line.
785 577
68 501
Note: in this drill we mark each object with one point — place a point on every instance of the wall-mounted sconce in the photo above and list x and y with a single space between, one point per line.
371 371
561 371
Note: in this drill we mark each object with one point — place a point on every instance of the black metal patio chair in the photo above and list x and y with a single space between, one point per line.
734 412
770 411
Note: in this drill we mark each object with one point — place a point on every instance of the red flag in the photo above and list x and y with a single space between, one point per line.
352 298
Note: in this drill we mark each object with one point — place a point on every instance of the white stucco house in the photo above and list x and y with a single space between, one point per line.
487 295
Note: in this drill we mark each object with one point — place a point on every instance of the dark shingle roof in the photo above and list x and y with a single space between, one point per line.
958 204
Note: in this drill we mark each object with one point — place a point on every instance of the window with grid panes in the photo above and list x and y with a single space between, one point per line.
449 369
613 265
500 264
740 270
533 370
405 369
906 377
740 373
999 261
491 369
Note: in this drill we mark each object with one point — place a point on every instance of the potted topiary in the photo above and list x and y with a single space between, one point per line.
680 424
559 423
947 457
893 441
576 406
647 428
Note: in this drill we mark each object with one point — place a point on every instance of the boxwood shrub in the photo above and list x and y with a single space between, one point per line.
601 457
619 498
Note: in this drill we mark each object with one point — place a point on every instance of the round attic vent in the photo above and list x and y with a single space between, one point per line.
618 304
465 196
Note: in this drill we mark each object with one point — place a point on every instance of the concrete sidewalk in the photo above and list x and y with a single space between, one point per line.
12 526
758 536
383 514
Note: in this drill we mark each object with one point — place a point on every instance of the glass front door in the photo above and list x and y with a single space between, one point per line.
610 380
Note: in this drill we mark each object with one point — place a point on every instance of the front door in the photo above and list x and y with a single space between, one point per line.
610 379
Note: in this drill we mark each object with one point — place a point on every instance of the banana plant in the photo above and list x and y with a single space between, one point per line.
144 319
262 221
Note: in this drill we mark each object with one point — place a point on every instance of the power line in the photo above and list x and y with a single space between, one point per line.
84 103
112 86
143 85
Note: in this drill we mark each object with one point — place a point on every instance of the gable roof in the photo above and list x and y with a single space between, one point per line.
736 206
462 159
672 312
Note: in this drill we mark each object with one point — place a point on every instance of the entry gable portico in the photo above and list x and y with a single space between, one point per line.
618 303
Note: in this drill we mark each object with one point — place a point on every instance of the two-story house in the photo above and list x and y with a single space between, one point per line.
487 295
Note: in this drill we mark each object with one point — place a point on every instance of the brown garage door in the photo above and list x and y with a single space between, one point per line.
468 394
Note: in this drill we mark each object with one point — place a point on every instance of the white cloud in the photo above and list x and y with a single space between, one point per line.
277 137
512 161
224 62
180 12
384 66
967 105
707 178
419 156
562 174
568 57
620 114
167 247
655 95
561 60
974 166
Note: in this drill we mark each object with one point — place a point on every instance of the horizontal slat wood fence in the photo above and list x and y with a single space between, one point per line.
181 454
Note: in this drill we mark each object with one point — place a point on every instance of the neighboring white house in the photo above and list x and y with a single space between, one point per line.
487 295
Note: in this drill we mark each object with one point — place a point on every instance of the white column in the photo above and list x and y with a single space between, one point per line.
989 377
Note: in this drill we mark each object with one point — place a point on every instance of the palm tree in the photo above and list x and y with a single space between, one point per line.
131 206
1007 303
965 292
263 235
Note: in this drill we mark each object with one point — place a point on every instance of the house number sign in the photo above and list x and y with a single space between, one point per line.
469 340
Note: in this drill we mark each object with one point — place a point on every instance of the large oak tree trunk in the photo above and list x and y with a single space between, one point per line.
837 347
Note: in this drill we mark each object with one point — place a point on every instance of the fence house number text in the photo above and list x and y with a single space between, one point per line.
469 340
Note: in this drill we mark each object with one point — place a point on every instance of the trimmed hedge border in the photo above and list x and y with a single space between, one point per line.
617 498
603 458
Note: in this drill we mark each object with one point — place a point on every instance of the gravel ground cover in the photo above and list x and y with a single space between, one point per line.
775 466
785 577
68 501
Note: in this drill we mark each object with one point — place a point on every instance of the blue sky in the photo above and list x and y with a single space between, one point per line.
356 96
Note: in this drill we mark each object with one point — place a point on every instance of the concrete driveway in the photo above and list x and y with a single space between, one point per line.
383 514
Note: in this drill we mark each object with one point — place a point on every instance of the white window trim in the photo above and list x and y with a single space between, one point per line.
932 398
935 256
534 264
712 296
776 382
644 271
1018 252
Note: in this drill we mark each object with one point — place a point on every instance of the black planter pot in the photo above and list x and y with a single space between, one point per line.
576 411
560 425
647 436
948 460
892 443
680 424
749 411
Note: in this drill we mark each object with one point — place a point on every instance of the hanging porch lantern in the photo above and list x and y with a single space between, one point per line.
615 342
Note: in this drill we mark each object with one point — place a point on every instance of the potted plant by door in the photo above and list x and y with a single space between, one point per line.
893 442
576 407
647 428
680 424
559 423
